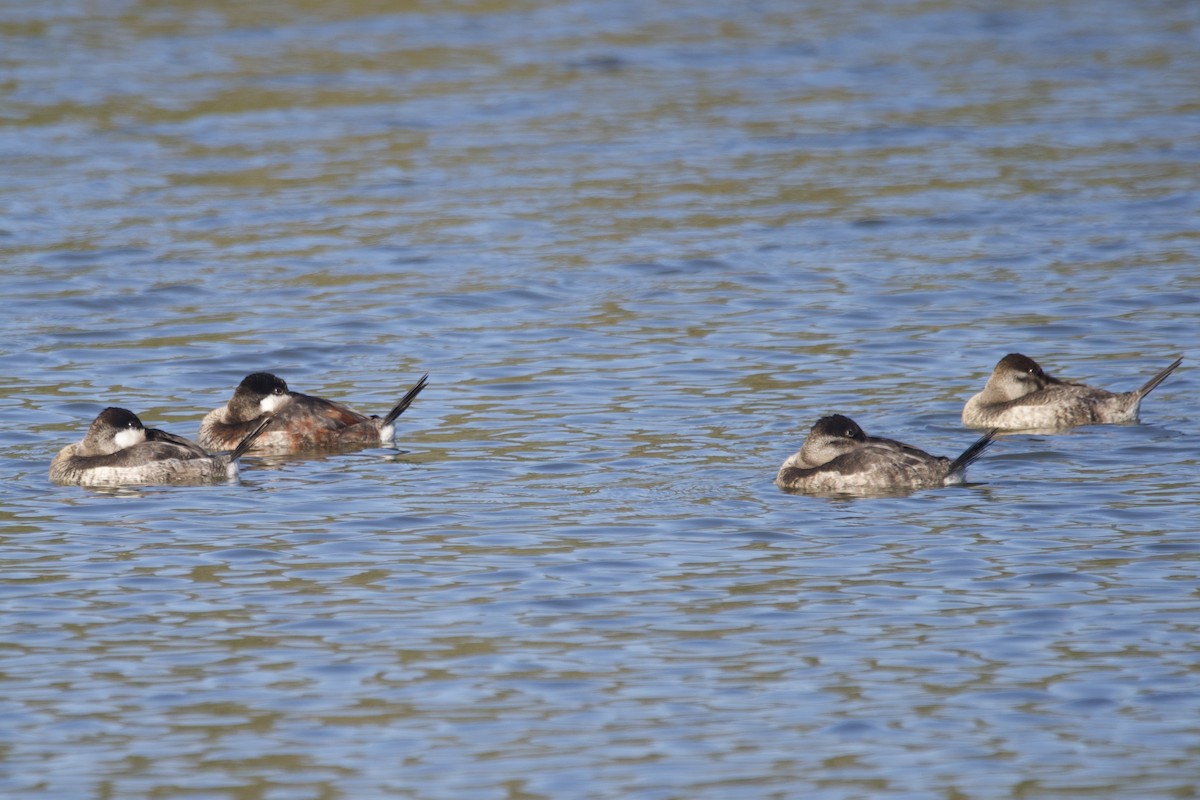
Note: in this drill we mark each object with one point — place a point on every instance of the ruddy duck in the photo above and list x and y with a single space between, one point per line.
838 457
119 450
1019 395
302 422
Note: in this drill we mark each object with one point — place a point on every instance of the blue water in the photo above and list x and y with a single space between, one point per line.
639 248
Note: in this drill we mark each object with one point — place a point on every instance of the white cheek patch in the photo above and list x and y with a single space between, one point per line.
273 402
129 437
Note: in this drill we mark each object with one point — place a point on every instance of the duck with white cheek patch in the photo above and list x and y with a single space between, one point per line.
302 422
118 450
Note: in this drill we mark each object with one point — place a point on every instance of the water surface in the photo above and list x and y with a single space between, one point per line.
640 248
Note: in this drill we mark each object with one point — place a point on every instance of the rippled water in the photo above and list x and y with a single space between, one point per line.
640 247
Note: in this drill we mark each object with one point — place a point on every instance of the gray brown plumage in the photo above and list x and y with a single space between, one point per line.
1020 395
838 457
118 450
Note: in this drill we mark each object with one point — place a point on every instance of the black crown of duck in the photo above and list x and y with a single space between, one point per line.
1020 395
118 450
300 422
838 457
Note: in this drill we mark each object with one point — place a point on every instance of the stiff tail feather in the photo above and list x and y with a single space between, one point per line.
1159 378
246 443
959 465
406 401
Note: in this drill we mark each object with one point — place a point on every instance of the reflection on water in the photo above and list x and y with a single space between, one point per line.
640 250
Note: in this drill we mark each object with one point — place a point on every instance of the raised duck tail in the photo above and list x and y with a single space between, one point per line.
1159 378
958 466
405 401
246 443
